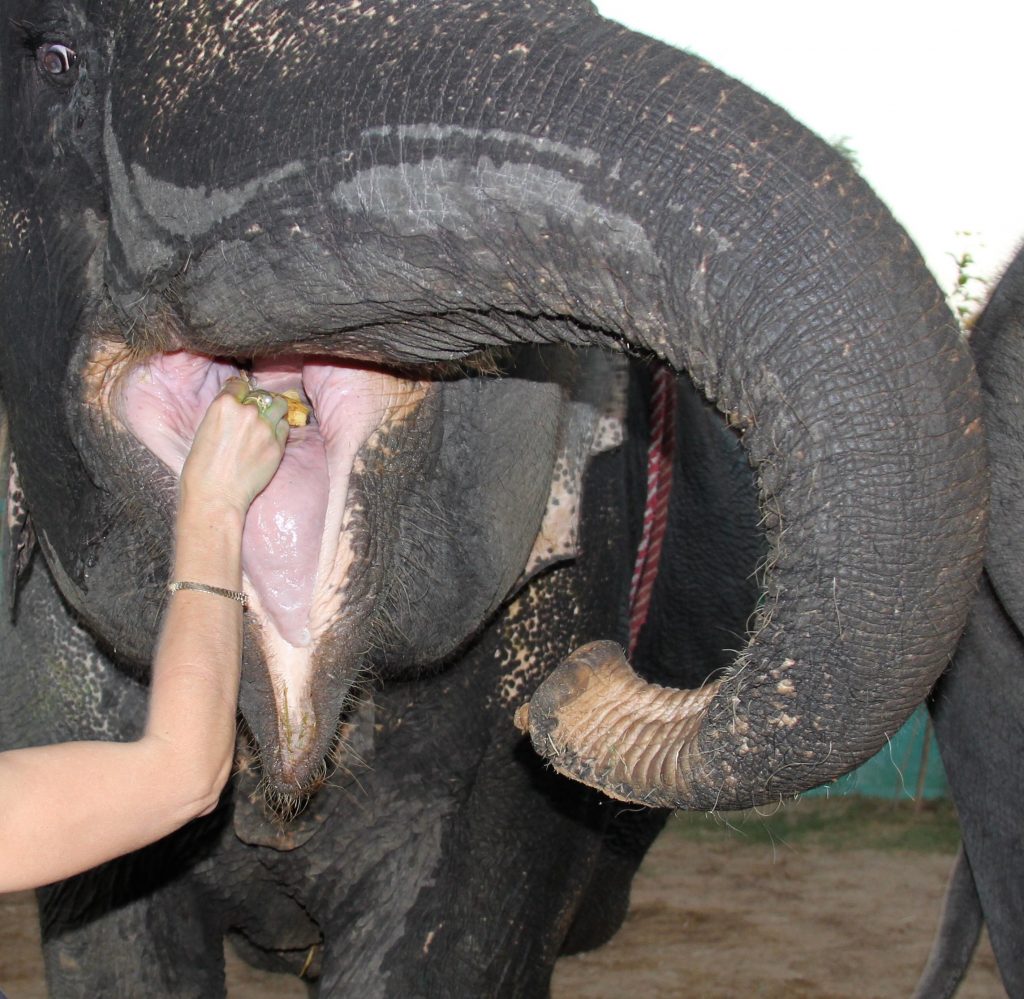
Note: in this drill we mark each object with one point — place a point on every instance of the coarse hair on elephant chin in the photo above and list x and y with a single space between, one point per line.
280 802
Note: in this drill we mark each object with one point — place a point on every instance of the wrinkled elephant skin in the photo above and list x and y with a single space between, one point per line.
507 253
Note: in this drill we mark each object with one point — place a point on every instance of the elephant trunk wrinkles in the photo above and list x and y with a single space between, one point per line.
639 736
873 498
840 366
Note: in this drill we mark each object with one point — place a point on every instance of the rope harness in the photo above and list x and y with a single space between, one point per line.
660 452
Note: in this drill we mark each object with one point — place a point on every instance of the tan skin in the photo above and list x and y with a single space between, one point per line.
71 806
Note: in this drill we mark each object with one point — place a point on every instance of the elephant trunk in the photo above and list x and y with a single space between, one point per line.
597 721
806 315
858 410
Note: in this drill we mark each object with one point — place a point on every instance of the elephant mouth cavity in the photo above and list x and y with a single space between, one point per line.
295 557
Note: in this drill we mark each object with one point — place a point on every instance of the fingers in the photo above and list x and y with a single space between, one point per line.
238 445
277 417
237 387
276 412
282 428
272 406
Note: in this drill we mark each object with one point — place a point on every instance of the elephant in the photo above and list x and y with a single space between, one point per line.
984 688
645 464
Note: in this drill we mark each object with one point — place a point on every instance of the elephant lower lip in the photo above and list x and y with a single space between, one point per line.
294 560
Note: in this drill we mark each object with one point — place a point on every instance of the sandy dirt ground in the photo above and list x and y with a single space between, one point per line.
845 908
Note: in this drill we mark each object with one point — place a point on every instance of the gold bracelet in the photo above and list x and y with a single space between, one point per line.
220 591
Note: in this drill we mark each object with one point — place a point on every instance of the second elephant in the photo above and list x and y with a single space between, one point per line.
978 705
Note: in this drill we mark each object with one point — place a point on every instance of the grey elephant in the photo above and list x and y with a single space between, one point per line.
603 352
983 692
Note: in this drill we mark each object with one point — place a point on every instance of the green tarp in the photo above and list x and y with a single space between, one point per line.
909 767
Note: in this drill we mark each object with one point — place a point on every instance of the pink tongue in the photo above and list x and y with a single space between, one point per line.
281 544
285 525
291 541
292 531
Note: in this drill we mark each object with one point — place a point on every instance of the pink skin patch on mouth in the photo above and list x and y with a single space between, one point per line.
292 556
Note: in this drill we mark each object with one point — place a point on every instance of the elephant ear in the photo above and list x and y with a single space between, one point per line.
595 421
18 537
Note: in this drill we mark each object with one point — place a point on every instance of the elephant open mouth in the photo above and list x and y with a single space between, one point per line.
294 563
379 503
298 551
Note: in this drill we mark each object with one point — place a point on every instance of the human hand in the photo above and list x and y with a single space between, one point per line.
236 449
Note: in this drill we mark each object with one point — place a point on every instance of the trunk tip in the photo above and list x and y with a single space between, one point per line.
587 669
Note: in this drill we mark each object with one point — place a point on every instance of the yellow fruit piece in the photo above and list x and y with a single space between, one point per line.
298 411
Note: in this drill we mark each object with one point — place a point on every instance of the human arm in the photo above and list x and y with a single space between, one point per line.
68 807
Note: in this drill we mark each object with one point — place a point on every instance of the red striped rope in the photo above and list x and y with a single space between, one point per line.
660 453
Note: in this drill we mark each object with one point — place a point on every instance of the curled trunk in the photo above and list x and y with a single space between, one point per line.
792 298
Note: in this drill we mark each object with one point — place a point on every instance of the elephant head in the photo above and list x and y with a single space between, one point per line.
445 225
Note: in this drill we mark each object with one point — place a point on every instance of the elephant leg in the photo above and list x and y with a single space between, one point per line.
978 710
957 936
512 863
603 907
161 942
460 869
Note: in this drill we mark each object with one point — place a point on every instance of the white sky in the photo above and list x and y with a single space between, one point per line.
928 94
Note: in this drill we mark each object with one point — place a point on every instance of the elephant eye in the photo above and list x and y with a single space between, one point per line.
55 59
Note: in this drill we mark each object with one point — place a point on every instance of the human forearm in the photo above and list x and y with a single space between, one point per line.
196 668
78 804
72 806
208 545
69 807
